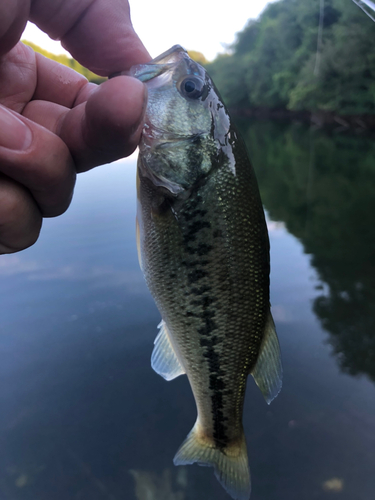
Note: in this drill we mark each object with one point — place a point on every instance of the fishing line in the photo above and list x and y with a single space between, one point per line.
319 44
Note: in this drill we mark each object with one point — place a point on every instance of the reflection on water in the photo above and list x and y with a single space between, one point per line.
323 188
151 486
80 406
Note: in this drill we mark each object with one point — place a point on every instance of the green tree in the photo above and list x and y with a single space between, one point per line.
198 57
283 60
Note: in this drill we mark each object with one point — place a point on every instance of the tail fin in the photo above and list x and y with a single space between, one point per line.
230 463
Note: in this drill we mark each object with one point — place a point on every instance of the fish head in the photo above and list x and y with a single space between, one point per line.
177 86
186 123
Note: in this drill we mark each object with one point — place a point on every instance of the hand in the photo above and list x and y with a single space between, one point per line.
53 123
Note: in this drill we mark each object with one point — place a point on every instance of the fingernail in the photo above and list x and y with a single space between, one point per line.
14 134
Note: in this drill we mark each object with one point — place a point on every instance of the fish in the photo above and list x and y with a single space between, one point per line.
203 248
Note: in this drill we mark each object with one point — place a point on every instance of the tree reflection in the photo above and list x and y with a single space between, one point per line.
322 185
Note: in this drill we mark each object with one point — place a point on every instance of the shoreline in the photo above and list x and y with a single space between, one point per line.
319 119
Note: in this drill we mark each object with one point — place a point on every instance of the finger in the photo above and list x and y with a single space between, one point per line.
27 76
20 218
13 19
98 33
57 83
37 159
44 113
103 129
108 126
18 77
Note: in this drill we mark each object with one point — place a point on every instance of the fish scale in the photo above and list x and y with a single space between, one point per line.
204 251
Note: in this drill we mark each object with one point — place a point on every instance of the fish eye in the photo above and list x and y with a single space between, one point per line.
192 87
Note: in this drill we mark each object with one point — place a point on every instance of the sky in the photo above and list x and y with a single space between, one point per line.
207 26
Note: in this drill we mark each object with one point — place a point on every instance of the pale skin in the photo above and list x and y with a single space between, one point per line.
53 123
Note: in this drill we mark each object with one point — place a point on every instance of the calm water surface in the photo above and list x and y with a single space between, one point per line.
84 417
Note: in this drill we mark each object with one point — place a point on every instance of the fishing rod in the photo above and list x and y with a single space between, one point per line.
368 7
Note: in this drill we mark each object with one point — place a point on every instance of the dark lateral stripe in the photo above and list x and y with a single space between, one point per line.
217 386
200 291
197 226
196 275
195 213
194 263
202 302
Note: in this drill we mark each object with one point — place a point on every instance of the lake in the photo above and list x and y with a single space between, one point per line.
84 417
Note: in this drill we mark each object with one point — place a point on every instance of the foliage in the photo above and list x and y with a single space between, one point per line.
277 61
228 72
197 56
67 61
92 77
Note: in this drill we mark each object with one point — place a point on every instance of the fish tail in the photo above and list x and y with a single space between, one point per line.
230 462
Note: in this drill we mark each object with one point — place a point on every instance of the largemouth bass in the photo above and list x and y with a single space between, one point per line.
204 250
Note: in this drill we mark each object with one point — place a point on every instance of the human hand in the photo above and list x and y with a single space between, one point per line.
53 123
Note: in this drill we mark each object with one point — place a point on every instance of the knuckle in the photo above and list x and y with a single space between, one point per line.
51 166
51 177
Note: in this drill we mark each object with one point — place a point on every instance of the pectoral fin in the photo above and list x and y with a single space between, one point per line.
164 359
268 371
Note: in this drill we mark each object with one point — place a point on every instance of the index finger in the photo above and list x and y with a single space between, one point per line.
98 33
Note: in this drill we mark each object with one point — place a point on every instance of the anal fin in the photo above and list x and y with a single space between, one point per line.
164 359
268 371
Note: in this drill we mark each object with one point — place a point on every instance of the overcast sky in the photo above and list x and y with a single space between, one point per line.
203 25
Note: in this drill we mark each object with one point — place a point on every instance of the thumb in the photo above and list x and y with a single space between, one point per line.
108 126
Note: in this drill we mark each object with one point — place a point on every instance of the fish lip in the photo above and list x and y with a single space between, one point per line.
158 66
143 71
164 63
176 50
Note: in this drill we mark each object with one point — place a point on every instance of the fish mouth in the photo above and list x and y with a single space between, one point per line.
172 55
164 63
161 64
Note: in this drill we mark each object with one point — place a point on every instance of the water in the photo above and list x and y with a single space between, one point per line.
83 416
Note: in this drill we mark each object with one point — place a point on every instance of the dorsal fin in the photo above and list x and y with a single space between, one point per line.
164 359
